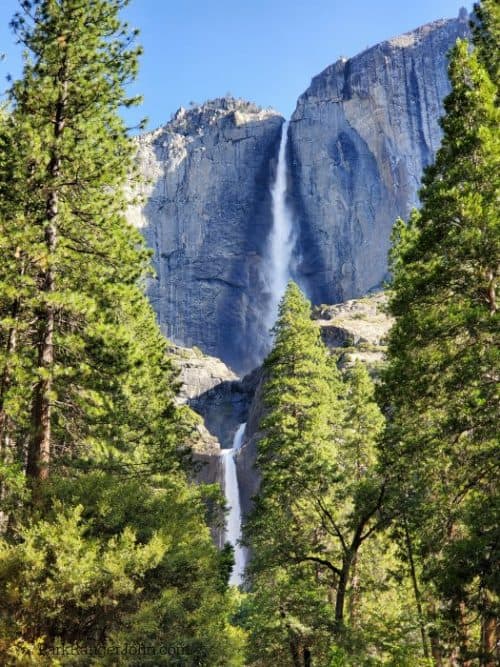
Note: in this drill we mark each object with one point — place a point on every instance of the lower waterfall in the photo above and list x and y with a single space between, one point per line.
233 519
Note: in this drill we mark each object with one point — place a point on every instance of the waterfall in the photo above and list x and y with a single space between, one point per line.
233 520
281 238
277 274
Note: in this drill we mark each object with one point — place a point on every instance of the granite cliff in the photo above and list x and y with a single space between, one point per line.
207 216
359 139
357 143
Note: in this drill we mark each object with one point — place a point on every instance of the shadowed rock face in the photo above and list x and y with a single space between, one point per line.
207 216
212 390
359 139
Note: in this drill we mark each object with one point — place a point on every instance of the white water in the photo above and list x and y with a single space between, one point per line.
281 238
233 520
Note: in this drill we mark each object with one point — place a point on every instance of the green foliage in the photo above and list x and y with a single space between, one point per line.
286 612
300 394
54 576
72 260
112 564
486 36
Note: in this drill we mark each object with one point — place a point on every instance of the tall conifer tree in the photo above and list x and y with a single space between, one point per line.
320 495
63 219
442 379
114 548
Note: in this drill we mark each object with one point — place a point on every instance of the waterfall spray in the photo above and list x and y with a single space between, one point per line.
233 521
281 238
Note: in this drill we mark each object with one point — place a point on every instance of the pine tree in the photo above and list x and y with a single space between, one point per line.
442 379
320 495
114 547
72 159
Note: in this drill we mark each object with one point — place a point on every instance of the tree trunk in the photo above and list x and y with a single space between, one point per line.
490 648
436 651
463 631
341 591
295 651
10 350
5 384
491 291
307 658
6 380
355 595
349 557
39 447
6 445
416 591
489 634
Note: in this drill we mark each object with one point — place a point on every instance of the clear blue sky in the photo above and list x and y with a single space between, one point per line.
266 51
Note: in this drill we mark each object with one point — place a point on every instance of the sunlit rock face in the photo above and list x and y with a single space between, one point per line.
359 139
207 217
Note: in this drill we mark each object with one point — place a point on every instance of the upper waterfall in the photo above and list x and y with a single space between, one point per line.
281 238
